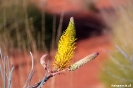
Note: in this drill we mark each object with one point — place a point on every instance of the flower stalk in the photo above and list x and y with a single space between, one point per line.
83 61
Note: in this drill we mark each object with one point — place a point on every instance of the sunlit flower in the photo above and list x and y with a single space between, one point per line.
66 47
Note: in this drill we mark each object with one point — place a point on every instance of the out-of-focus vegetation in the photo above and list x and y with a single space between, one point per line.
23 27
118 69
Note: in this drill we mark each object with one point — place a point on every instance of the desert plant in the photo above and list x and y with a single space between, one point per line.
24 28
63 57
118 69
6 70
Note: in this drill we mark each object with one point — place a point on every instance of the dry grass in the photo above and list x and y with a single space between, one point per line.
118 69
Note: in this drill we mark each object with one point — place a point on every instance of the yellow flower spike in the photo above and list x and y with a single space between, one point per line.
66 47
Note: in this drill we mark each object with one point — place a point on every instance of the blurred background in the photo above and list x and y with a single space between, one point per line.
104 26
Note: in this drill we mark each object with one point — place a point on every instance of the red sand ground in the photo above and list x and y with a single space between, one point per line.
59 6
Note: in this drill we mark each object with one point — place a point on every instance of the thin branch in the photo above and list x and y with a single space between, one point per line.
117 77
31 72
121 65
124 54
43 44
4 65
32 61
121 51
1 73
0 53
45 77
6 74
44 80
59 27
8 64
53 34
10 77
36 85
